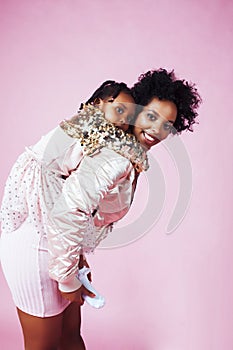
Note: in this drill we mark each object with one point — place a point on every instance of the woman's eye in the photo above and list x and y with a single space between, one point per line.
151 116
167 127
119 110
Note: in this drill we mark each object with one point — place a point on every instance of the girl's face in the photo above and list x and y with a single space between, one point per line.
120 111
155 122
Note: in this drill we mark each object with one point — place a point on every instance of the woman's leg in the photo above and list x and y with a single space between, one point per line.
71 338
41 333
52 333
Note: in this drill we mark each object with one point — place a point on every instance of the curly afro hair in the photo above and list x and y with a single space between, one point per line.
165 86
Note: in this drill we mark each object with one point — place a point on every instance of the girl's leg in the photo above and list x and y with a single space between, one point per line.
41 333
71 338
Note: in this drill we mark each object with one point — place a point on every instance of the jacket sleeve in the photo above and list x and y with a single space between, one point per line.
71 216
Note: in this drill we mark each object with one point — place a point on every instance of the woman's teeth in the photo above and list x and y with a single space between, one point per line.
149 137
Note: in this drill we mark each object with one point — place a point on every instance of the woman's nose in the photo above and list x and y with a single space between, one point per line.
157 127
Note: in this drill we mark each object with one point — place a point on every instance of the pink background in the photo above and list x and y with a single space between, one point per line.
53 55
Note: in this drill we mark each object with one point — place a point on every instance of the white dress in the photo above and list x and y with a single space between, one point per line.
59 202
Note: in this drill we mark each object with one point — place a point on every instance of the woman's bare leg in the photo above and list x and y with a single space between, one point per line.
41 333
71 338
61 332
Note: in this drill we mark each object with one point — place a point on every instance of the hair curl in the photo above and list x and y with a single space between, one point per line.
165 86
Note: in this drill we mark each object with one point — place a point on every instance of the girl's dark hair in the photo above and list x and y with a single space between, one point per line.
165 86
109 88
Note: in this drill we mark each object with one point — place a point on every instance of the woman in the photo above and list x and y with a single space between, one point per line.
97 193
38 181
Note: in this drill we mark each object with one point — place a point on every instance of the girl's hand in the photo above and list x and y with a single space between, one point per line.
83 262
76 296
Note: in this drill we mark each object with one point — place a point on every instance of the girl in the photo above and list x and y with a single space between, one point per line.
96 160
166 105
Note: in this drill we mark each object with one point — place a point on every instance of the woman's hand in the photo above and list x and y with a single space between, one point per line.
76 296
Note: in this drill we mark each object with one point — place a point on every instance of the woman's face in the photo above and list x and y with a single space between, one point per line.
154 122
120 111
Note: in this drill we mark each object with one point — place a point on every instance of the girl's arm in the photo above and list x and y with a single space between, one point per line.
71 216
